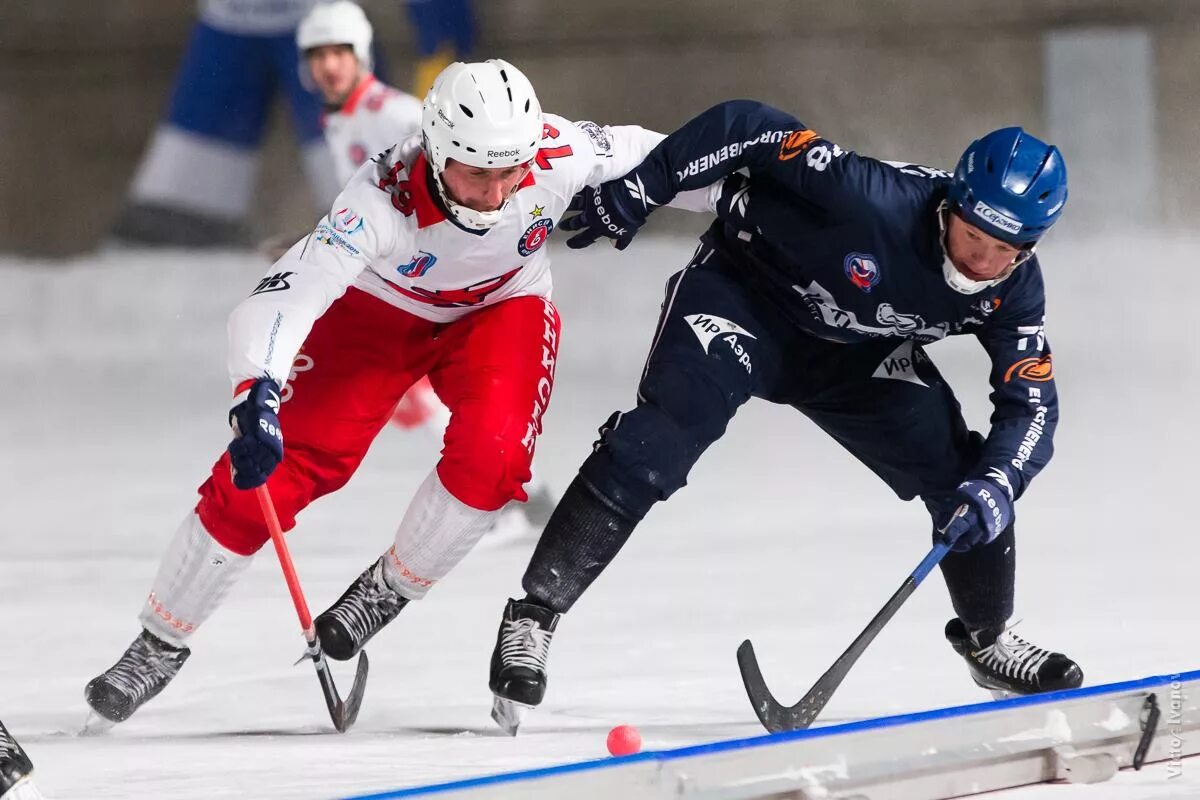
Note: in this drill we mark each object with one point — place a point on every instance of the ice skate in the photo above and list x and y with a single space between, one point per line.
518 669
361 612
1007 665
16 770
144 670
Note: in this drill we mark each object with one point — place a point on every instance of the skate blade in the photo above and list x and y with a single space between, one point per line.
508 715
94 725
1003 694
23 789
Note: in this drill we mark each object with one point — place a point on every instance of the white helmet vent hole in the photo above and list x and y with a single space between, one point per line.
466 110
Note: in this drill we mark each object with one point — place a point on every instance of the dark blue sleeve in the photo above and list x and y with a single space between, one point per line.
1024 397
752 136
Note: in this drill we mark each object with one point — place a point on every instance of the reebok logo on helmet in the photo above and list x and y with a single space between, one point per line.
1001 221
509 153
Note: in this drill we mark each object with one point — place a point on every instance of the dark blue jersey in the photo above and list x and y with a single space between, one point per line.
851 249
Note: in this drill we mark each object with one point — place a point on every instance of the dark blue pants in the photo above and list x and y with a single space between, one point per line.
227 83
718 344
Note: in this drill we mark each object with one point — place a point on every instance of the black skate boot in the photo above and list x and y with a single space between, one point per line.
139 675
15 769
360 613
518 672
1007 665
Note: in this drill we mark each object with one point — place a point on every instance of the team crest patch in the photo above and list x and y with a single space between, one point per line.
535 236
421 263
862 270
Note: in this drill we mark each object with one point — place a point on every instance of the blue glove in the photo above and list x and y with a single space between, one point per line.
608 211
257 446
989 512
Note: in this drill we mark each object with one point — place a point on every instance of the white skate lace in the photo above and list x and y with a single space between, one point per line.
141 670
370 603
1013 657
8 746
525 644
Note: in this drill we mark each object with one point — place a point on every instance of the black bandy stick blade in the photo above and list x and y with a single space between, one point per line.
348 710
774 716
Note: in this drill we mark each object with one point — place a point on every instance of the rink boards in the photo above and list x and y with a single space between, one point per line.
1081 735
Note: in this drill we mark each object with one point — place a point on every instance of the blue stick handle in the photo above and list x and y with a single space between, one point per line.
940 549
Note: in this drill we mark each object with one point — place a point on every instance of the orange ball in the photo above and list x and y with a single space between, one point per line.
624 740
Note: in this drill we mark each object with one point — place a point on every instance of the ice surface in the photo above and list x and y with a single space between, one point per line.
114 398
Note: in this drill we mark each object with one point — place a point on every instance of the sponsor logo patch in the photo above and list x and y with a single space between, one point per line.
796 143
601 142
708 327
901 365
999 220
1031 369
273 283
330 238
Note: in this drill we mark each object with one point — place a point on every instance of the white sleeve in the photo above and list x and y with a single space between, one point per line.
267 329
618 149
614 149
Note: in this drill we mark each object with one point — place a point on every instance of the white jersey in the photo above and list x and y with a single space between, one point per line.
388 235
374 117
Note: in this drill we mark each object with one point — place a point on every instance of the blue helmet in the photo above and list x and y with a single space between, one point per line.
1010 185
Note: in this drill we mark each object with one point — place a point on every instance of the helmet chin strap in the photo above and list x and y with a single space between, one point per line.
955 279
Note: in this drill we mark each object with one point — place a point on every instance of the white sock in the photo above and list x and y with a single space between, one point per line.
437 532
193 578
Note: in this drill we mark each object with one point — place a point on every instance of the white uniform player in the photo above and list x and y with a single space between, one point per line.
431 262
362 120
373 118
389 236
363 115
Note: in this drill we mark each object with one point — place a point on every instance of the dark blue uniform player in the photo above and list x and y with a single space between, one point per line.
818 285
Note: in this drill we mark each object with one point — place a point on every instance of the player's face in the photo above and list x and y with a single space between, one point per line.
481 188
977 255
334 69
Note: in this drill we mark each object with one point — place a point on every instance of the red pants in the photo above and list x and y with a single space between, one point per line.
494 370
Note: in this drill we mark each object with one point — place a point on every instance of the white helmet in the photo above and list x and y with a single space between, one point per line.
337 22
484 115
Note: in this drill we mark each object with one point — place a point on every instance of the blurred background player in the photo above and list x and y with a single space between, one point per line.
16 770
194 184
373 317
817 286
364 117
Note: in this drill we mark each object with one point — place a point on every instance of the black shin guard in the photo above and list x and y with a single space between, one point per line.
583 536
981 582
